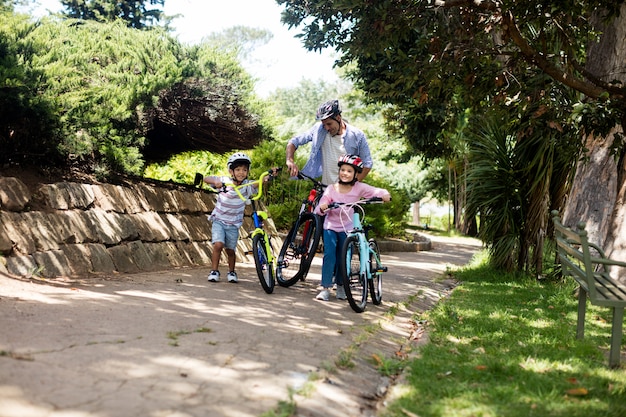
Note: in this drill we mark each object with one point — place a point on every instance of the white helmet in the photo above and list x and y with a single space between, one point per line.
240 158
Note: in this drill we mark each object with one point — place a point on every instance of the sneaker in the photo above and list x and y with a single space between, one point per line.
341 293
324 295
232 276
214 276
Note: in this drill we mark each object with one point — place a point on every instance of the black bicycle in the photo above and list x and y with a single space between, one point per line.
300 245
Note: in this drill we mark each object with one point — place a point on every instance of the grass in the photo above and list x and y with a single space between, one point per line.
504 345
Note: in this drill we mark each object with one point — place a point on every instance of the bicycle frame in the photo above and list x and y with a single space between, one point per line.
369 260
300 245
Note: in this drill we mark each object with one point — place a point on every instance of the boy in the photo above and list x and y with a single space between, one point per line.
345 190
227 216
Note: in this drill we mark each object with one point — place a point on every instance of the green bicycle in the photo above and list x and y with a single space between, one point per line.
262 249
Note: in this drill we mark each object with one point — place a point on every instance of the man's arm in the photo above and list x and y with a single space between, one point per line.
291 165
363 174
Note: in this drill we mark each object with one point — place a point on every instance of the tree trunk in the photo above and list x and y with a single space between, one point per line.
599 186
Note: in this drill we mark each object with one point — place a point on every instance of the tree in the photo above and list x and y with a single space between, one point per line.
104 97
433 60
242 40
136 14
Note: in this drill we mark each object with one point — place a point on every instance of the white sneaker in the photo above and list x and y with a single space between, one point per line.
324 295
232 276
341 292
214 276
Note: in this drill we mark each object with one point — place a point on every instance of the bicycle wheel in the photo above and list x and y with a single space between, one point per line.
353 280
264 268
376 283
296 255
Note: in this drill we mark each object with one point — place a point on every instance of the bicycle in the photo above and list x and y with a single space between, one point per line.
262 249
300 245
359 263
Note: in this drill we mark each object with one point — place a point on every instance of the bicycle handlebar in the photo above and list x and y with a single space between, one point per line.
371 200
199 178
315 182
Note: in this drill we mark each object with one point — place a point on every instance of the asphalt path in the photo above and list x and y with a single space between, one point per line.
171 344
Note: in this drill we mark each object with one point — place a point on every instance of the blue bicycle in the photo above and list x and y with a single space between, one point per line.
359 262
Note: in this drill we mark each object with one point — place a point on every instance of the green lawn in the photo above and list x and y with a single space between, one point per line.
505 346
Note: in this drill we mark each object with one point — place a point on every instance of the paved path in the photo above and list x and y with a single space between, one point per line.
172 344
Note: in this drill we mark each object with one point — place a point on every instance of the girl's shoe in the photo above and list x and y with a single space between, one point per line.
324 295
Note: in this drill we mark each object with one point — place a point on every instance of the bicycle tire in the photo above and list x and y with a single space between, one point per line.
298 250
354 282
376 282
264 269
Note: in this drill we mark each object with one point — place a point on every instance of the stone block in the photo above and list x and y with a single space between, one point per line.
41 231
55 196
133 200
79 258
208 199
3 265
177 231
200 252
80 224
81 196
22 266
18 232
104 197
61 227
123 260
14 194
106 226
140 255
101 260
184 253
198 226
6 245
176 260
188 203
150 226
53 264
158 253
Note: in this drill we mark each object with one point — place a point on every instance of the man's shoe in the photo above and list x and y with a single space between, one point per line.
214 276
324 295
341 293
232 276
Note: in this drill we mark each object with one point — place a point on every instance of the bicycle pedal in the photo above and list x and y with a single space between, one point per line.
381 269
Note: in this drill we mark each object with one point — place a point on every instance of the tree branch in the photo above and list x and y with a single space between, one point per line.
538 59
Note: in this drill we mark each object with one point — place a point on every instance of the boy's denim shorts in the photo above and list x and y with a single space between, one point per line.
225 233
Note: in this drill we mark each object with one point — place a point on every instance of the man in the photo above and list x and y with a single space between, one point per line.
331 137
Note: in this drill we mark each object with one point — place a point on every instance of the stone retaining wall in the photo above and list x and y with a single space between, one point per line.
70 229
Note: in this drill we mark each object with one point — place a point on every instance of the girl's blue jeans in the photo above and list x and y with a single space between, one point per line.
333 243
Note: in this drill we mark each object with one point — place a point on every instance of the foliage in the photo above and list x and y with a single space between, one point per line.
516 176
242 40
504 345
26 118
433 65
135 14
388 219
99 95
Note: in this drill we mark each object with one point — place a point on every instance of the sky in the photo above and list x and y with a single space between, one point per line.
282 63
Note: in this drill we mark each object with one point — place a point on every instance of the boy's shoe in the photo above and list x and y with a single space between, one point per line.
341 293
232 276
324 295
214 276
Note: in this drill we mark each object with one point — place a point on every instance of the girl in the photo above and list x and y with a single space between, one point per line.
345 190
